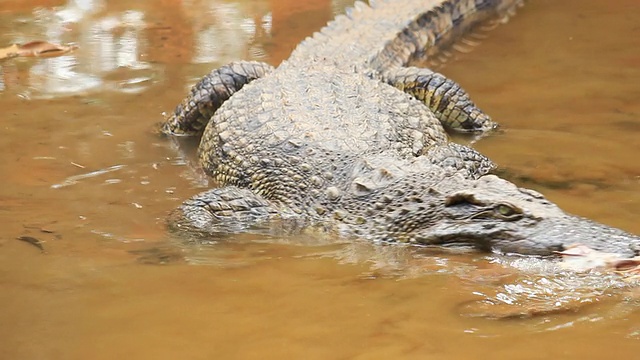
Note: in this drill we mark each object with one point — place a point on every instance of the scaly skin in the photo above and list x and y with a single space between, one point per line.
339 136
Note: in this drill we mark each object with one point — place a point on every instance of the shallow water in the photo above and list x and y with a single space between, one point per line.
84 173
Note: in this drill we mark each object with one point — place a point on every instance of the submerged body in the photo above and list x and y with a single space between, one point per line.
345 135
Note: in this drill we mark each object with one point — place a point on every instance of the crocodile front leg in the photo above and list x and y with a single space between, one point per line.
191 116
221 211
448 101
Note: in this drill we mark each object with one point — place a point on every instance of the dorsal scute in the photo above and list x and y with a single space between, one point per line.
341 19
360 6
375 172
349 12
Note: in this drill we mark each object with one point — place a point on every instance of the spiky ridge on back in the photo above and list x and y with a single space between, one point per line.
388 33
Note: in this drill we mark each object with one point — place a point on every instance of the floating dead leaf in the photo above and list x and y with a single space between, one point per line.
44 49
33 241
36 48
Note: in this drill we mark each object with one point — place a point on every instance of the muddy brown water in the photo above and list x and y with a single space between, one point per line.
84 173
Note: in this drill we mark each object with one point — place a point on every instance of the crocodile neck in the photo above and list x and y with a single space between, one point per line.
389 33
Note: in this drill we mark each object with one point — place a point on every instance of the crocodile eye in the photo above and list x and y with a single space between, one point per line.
506 211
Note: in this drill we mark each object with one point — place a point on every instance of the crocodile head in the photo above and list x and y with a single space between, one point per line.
491 213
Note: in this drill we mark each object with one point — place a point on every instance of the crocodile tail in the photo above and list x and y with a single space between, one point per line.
434 32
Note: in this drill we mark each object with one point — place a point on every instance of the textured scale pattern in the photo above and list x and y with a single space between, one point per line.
327 124
346 136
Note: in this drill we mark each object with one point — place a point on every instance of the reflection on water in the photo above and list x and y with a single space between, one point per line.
58 77
85 176
226 33
115 44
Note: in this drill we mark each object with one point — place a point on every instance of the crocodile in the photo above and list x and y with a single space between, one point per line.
347 137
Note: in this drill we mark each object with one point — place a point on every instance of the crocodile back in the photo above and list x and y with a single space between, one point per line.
298 134
297 130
